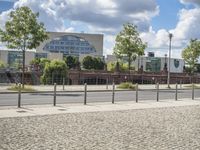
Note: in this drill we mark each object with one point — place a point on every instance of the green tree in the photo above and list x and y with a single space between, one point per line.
93 63
22 31
191 54
88 62
122 66
54 71
128 44
41 62
71 61
98 64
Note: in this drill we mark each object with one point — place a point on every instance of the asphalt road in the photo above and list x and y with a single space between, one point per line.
78 97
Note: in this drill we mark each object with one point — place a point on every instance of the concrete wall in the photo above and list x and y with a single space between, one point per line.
28 57
58 56
4 56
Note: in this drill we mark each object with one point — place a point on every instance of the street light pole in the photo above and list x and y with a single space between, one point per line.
170 47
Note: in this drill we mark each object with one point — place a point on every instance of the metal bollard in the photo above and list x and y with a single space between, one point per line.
54 96
19 96
63 84
176 95
181 84
85 94
136 90
107 83
157 87
113 93
192 91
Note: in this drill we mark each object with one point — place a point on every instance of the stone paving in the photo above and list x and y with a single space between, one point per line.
154 128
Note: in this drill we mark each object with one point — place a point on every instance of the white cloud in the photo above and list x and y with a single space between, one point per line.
107 16
186 2
100 16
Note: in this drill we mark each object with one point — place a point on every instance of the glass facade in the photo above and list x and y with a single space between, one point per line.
40 55
14 58
69 45
153 64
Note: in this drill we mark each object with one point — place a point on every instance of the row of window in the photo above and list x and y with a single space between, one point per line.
68 48
69 43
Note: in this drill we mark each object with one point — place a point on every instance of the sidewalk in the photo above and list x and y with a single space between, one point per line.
48 88
37 110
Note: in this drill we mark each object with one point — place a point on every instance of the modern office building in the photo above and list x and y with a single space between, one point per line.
58 45
72 44
154 64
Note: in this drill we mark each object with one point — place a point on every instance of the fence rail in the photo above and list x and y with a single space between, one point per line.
86 96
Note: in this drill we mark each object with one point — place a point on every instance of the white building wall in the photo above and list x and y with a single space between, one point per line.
143 60
4 56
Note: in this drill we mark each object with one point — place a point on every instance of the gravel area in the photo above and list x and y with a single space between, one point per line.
160 128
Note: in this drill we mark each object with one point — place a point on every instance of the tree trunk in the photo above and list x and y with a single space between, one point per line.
23 68
129 63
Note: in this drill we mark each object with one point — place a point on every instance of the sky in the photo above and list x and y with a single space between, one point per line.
154 19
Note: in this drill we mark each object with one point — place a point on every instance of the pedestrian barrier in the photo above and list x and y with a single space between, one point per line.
19 95
136 94
54 96
115 94
157 87
85 94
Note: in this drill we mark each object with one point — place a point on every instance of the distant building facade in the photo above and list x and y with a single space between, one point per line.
58 45
154 64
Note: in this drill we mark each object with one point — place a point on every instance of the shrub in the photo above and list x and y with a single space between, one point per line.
126 85
26 88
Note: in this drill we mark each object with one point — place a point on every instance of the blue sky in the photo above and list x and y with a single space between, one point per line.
154 18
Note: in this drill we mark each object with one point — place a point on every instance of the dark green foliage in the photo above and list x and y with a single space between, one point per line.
93 63
72 62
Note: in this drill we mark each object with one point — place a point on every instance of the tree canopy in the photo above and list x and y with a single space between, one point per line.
191 54
54 71
22 32
93 63
128 44
41 62
72 62
111 66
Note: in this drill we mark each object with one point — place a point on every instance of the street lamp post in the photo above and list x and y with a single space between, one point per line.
170 47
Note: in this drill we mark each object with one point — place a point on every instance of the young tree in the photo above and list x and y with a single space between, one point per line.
22 31
191 54
128 44
54 71
88 62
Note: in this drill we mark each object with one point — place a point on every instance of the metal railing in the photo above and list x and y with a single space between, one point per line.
157 91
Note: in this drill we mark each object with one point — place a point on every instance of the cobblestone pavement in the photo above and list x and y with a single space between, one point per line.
160 128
